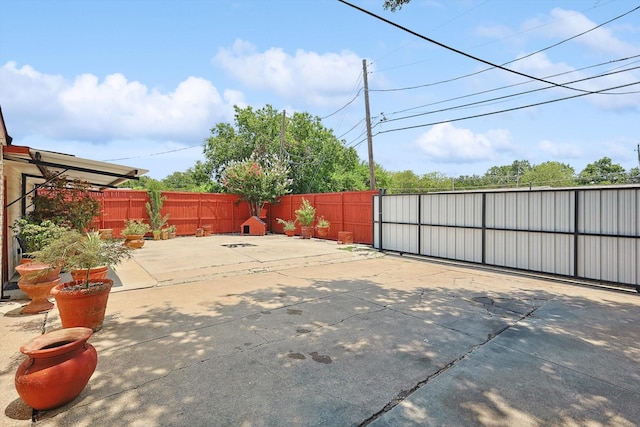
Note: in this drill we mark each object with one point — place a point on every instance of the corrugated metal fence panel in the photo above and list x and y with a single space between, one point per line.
613 259
590 233
614 212
453 243
400 237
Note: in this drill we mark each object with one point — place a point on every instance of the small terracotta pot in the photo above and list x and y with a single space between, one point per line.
322 231
58 368
306 232
82 307
134 241
290 233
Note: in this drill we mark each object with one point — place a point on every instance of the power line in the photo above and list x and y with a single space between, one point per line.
509 96
484 61
511 85
509 109
154 154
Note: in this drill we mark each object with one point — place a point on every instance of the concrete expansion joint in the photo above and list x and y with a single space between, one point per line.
403 394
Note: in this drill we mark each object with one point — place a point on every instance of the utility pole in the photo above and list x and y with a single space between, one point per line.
284 115
372 178
638 150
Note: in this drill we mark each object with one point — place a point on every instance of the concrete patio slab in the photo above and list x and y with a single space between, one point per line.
309 333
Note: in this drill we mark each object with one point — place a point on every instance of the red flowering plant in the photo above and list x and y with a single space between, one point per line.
257 181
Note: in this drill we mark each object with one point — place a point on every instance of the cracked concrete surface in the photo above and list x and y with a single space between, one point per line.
301 333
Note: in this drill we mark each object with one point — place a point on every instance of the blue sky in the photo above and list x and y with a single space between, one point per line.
142 82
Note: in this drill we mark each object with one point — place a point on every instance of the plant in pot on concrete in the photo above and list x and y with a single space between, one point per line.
288 225
33 236
83 302
134 231
322 227
305 215
154 207
39 276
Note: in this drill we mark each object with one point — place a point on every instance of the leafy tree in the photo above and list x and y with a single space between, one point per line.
404 182
603 172
65 202
634 176
141 184
257 181
466 182
554 174
317 161
507 176
394 5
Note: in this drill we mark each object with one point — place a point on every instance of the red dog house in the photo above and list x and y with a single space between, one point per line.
254 226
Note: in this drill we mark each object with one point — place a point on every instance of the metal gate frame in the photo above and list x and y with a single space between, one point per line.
586 233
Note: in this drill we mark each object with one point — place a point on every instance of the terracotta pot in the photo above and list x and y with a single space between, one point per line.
134 241
322 231
58 368
106 233
165 235
39 294
94 274
290 233
306 232
34 272
172 235
82 307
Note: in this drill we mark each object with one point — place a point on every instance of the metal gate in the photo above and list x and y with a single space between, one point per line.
585 233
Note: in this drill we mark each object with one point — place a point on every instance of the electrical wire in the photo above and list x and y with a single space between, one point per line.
510 96
513 85
484 61
509 109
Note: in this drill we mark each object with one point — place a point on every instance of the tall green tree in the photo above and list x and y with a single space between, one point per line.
508 175
317 161
603 172
553 174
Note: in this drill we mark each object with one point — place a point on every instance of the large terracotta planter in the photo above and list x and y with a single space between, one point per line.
82 307
58 367
94 273
34 272
39 295
134 241
306 232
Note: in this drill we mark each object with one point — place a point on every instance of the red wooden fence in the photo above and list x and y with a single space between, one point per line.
348 211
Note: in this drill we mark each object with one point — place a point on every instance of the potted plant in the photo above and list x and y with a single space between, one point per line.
83 302
33 236
154 206
172 231
322 227
134 231
305 215
288 225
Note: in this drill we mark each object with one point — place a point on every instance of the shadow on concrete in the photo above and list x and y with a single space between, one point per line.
352 352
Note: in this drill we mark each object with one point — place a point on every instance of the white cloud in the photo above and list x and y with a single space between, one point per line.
93 110
318 80
446 143
568 23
